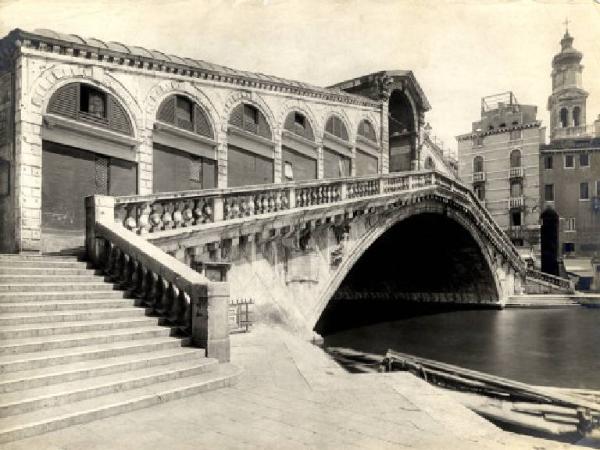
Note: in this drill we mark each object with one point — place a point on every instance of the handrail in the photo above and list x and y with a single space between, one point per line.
158 212
559 282
168 288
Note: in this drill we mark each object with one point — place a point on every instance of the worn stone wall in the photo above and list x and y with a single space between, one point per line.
291 278
140 91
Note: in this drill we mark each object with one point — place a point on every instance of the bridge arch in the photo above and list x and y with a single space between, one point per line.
359 248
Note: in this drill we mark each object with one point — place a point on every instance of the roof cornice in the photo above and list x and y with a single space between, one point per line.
186 67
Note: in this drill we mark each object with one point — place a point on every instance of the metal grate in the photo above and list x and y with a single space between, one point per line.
240 315
101 168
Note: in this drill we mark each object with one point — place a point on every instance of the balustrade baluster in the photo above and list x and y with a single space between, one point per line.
178 214
130 219
250 206
155 217
187 214
167 217
163 299
144 218
264 204
277 202
153 294
142 287
285 204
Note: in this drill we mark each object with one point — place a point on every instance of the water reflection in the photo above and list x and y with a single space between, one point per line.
555 347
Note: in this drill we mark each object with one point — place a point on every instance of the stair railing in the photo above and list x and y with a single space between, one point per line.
183 298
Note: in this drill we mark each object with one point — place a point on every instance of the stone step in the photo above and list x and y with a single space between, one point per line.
36 257
28 361
21 402
17 297
65 305
91 339
70 316
44 263
65 328
34 378
54 418
32 278
56 286
540 301
46 271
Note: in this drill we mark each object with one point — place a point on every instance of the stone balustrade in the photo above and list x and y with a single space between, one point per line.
183 299
558 282
180 210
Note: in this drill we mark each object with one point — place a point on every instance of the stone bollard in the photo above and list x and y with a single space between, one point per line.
210 325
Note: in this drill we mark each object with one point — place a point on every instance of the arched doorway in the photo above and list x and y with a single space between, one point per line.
549 238
402 132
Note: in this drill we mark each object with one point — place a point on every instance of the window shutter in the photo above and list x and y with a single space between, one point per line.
117 117
65 101
166 112
237 115
263 126
201 123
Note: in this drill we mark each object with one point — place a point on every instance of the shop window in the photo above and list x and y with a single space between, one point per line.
584 160
549 192
92 101
569 161
584 192
548 162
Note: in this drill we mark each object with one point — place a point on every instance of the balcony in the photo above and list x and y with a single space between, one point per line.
478 177
590 130
516 202
515 172
515 232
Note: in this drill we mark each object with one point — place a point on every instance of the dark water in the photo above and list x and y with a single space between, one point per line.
553 347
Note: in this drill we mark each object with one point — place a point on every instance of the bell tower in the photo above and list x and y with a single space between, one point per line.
568 100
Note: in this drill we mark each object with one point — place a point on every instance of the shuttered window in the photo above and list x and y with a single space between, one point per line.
335 165
366 130
366 164
249 118
247 168
181 112
336 127
298 124
86 103
175 170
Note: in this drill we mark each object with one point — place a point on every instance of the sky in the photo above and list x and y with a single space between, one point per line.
459 51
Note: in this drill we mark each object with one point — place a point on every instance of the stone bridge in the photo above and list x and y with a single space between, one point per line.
416 236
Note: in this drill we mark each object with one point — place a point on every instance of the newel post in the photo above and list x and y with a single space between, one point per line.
97 207
210 325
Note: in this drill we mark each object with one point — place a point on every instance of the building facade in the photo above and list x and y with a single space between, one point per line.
499 157
82 116
570 173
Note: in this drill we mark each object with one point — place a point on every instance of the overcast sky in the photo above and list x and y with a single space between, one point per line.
458 50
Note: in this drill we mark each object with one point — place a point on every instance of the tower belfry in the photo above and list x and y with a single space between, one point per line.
567 103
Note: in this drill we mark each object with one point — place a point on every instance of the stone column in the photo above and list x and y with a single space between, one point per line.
222 159
277 175
320 166
28 163
385 139
145 159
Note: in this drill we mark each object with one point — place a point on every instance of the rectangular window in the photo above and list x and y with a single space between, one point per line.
515 218
569 161
568 247
584 191
516 190
480 192
549 192
584 160
548 162
570 224
515 134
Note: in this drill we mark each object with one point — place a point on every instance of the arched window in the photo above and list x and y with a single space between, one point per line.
336 127
478 164
429 164
337 153
86 103
250 149
298 156
516 189
181 112
366 130
248 118
515 158
564 118
576 116
297 123
183 161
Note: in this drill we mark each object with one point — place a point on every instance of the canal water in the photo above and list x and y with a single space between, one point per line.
551 347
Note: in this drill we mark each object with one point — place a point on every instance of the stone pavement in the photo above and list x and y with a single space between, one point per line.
290 396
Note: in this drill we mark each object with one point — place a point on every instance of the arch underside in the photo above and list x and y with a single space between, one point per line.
429 255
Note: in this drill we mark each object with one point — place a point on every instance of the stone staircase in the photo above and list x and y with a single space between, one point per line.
74 349
541 301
